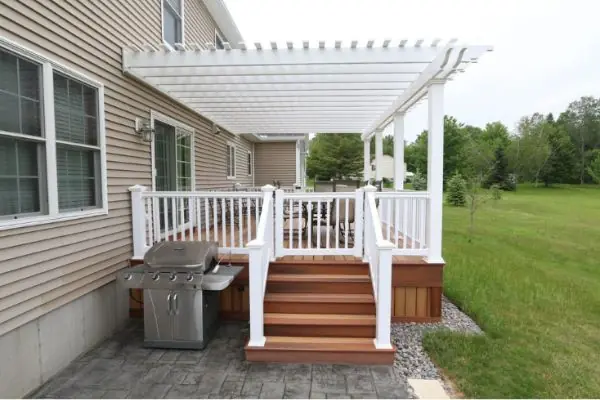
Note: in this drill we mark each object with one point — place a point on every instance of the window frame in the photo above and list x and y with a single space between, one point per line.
233 147
250 162
162 22
50 213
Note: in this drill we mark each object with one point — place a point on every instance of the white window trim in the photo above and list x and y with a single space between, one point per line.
157 116
162 24
251 163
231 144
48 67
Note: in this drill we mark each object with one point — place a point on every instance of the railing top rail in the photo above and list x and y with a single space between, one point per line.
319 195
204 194
380 242
392 195
261 229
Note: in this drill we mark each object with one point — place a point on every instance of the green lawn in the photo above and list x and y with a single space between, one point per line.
531 279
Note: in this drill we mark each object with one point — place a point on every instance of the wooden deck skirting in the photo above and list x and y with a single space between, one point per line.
416 295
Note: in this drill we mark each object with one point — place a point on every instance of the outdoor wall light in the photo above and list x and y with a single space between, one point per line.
144 128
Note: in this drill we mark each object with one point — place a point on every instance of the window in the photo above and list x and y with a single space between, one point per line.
77 151
51 140
172 21
21 137
249 163
218 41
230 160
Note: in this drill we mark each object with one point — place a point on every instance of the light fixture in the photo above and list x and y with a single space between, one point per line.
144 128
215 129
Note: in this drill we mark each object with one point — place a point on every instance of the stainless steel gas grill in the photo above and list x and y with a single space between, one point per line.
181 282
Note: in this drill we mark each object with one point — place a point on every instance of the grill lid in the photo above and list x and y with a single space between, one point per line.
181 255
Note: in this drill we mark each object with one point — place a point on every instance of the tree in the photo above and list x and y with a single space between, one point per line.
335 155
561 161
456 193
455 139
581 121
594 167
387 143
499 174
530 150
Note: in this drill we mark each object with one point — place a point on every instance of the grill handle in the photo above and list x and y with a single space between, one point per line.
169 304
174 297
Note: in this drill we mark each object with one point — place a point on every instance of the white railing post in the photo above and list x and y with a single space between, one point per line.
138 221
269 237
359 213
369 191
384 296
279 222
255 283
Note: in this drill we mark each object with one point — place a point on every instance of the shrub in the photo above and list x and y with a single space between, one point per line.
419 182
496 191
456 191
510 183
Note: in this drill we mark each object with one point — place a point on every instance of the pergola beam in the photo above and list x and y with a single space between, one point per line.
391 78
236 57
389 93
277 87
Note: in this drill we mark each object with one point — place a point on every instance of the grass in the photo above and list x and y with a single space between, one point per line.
531 279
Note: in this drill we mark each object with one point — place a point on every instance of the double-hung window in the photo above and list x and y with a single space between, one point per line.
230 160
172 21
51 141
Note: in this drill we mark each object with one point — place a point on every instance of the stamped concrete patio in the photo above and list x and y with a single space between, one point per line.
122 368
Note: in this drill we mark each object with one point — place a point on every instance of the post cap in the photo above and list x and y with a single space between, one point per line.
138 188
267 188
370 188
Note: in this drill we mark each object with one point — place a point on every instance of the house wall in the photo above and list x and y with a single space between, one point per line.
48 268
275 161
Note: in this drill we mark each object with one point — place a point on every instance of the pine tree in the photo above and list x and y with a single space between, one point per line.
456 192
499 174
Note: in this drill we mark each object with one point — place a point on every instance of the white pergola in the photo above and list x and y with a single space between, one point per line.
290 88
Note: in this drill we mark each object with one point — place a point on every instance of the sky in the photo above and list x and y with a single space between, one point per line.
546 52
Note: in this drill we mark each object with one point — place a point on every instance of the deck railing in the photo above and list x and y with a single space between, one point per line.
229 218
319 223
261 252
378 253
404 217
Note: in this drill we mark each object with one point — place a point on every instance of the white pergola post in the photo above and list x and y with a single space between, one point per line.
298 165
399 171
435 170
367 161
378 155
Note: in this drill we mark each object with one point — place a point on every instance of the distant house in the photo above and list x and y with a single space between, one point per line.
387 167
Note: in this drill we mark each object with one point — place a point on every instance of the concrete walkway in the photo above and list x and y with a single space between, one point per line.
122 368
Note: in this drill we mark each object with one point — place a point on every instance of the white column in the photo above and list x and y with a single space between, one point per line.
359 212
435 170
383 306
378 155
138 221
367 160
298 172
399 172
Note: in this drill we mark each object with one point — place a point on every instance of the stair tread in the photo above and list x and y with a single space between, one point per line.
320 297
299 343
318 278
319 319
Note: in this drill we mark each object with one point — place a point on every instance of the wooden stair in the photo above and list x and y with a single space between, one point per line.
319 313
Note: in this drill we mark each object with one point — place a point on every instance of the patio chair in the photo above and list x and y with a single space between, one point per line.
341 223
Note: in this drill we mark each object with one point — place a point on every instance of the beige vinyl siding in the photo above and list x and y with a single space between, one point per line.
275 162
43 267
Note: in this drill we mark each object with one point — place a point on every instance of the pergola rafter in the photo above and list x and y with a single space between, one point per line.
281 87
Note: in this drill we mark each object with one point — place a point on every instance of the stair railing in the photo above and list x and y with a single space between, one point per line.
378 253
261 252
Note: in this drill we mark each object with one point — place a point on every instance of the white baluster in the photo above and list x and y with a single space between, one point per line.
198 203
309 224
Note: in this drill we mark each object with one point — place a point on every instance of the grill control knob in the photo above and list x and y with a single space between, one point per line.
190 277
128 277
156 276
172 277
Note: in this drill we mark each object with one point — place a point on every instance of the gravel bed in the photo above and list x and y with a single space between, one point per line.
411 360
